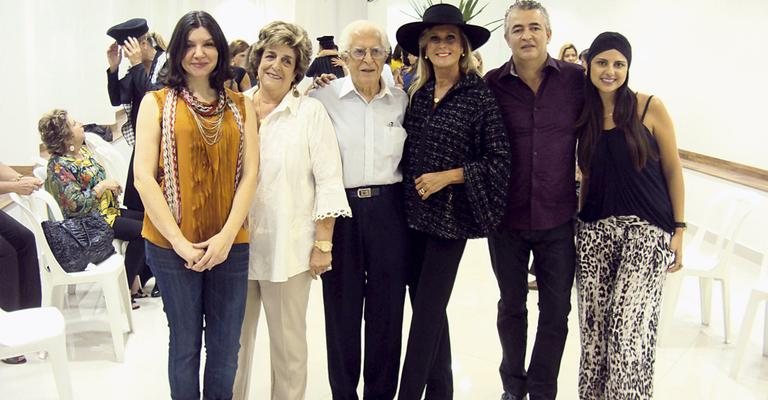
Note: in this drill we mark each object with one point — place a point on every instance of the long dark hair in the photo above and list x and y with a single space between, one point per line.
625 117
173 74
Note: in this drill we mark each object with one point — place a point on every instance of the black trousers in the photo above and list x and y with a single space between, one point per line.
128 227
554 254
428 355
131 199
367 282
19 269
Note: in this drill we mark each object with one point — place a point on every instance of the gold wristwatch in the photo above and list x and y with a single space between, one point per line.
324 245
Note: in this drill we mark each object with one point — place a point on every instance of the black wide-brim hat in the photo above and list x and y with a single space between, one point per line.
440 14
133 27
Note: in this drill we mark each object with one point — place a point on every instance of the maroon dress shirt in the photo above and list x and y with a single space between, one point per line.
542 134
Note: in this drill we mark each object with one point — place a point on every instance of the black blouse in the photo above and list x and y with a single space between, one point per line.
617 188
464 130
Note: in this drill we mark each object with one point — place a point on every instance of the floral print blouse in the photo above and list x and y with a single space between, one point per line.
71 181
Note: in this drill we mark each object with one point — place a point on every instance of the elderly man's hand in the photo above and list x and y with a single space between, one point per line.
324 80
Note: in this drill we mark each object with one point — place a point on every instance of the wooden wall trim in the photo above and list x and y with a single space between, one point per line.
739 173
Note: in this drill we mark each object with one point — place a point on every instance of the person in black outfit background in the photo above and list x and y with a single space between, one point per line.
147 56
324 62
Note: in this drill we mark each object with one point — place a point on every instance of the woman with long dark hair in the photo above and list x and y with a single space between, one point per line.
196 166
631 224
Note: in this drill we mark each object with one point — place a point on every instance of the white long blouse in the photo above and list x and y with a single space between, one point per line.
300 182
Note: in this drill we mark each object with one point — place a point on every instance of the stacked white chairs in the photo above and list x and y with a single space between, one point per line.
34 330
711 261
759 294
113 162
109 274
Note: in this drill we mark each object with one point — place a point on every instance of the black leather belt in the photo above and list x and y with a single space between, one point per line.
371 191
364 192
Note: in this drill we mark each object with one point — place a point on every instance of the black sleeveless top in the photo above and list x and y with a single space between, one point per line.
617 188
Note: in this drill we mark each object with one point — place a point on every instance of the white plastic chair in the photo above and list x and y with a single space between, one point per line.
37 329
711 262
110 274
114 163
759 294
40 172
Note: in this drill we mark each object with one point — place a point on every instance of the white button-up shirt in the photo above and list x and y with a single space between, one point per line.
371 135
300 182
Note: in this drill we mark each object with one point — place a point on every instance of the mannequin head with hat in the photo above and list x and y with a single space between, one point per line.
443 41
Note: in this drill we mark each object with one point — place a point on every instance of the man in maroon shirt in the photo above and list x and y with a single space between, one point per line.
540 100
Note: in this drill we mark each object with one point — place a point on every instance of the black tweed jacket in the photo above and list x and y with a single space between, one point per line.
464 130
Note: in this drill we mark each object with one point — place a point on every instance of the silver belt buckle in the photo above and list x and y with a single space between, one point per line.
364 193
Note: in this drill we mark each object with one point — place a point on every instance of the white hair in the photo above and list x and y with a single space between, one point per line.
359 27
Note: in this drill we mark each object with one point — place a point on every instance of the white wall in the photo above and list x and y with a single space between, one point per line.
55 51
704 58
701 56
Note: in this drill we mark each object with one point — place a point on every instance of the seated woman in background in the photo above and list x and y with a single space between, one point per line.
19 271
568 53
80 186
241 80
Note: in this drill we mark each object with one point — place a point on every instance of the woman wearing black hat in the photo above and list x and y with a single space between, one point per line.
455 174
631 224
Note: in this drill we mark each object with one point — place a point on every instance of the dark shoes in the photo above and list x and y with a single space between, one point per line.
510 396
155 291
532 285
15 360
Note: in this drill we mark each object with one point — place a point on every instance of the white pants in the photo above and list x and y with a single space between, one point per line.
285 305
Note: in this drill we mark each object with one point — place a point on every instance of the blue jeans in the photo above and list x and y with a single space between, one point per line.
216 297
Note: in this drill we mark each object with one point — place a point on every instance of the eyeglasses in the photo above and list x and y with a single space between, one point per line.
377 53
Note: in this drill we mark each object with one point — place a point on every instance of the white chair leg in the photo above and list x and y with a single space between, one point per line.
746 329
125 300
669 298
765 331
58 297
705 292
115 315
57 356
726 287
47 298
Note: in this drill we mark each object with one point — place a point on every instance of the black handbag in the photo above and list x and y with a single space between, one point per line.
77 241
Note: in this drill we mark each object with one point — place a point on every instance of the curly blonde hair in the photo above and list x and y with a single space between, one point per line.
282 33
54 131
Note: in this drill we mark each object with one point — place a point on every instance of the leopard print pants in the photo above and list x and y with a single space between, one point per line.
621 264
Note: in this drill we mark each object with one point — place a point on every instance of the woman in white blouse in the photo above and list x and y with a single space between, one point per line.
299 195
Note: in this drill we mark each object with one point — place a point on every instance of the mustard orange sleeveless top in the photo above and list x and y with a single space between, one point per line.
206 174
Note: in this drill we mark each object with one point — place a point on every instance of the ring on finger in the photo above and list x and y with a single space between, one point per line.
422 191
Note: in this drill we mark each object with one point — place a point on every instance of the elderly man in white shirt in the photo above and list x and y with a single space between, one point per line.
369 254
300 194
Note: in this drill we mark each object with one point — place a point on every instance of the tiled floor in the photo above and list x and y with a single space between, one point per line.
692 361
